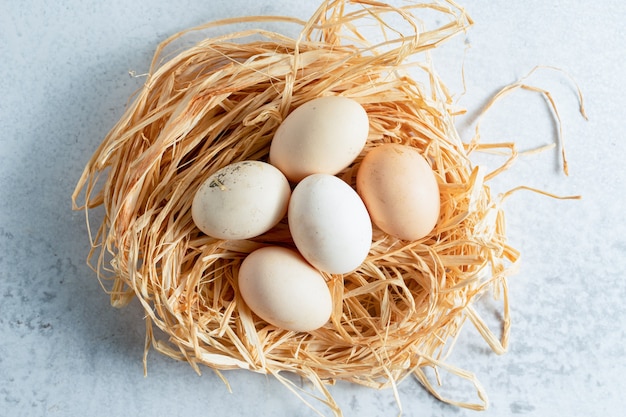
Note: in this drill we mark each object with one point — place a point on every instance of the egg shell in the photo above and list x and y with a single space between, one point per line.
241 200
400 191
329 224
279 286
322 136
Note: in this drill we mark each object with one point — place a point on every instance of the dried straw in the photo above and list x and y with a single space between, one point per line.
220 101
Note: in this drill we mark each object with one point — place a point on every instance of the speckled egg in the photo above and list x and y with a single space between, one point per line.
240 201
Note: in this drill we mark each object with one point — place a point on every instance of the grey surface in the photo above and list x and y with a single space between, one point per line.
64 79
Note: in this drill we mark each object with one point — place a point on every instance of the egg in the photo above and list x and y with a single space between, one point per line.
241 200
322 136
400 191
279 286
329 224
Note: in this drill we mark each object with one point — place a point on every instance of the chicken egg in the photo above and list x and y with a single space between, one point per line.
329 224
400 191
322 136
241 200
279 286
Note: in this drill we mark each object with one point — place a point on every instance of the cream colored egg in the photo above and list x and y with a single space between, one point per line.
322 136
400 191
279 286
242 200
329 224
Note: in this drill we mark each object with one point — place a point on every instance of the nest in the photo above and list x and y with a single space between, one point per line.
220 101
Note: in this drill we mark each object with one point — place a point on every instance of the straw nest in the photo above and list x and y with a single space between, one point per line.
220 101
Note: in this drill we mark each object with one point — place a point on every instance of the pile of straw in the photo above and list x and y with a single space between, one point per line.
220 101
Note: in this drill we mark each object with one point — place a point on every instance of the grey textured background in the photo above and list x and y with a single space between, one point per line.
64 81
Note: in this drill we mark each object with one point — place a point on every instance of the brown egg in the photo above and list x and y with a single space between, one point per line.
400 191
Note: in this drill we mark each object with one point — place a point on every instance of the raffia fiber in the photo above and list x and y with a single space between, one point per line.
220 101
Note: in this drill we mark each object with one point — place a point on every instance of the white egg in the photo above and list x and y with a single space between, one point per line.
329 224
279 286
240 201
322 136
